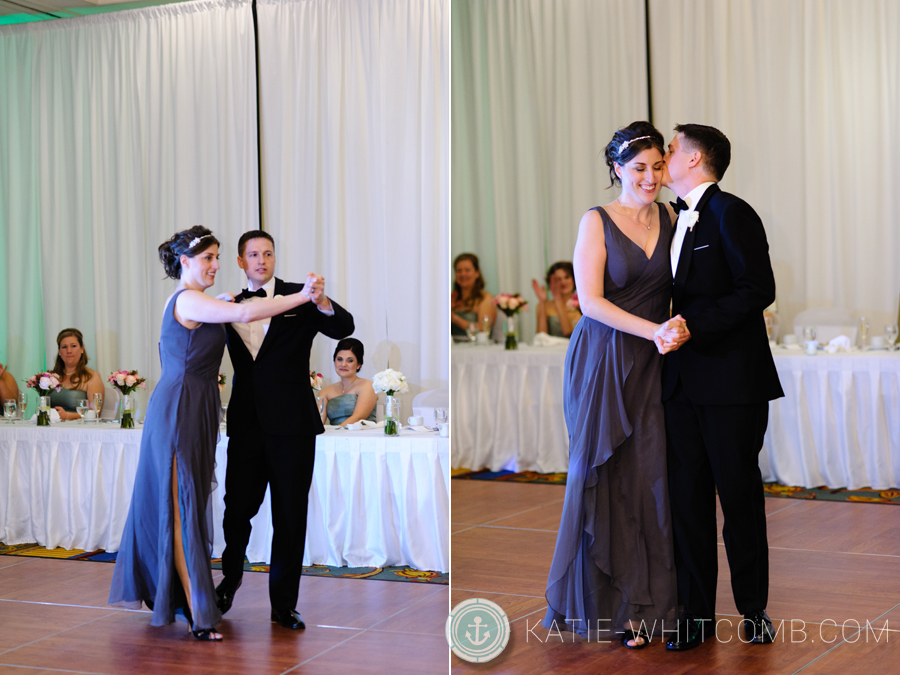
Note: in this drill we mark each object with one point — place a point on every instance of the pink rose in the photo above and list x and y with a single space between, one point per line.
130 380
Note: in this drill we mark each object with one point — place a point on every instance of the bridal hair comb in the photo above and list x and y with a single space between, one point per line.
624 146
197 240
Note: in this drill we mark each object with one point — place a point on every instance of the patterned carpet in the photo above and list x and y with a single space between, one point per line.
775 490
379 573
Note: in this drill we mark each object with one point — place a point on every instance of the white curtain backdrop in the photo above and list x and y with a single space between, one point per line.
808 94
121 129
539 88
354 115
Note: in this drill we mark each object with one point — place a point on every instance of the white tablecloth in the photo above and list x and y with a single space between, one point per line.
374 501
838 425
839 422
506 408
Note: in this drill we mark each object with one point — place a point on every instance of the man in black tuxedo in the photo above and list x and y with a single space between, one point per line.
716 388
273 422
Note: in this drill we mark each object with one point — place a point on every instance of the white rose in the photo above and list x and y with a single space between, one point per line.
130 380
120 379
45 383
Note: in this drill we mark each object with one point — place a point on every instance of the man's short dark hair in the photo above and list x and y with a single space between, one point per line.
711 143
252 234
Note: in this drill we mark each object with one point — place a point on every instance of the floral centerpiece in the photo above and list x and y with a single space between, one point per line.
127 382
222 381
43 383
391 382
511 304
315 380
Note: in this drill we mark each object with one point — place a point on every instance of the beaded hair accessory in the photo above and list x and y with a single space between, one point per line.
624 146
197 240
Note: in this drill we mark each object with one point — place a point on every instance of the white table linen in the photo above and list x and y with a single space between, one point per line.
839 422
374 501
507 408
838 425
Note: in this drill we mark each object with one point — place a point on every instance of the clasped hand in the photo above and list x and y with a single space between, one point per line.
670 335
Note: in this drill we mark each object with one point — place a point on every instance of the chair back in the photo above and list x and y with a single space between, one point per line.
426 402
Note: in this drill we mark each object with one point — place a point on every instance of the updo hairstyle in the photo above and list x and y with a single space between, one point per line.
353 345
636 137
170 252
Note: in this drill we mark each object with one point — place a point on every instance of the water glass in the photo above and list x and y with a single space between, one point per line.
224 407
890 335
9 409
81 408
809 333
862 333
440 416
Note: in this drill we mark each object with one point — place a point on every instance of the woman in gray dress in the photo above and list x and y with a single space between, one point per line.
78 381
164 556
613 571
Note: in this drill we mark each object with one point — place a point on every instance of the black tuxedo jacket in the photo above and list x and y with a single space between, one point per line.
723 283
259 391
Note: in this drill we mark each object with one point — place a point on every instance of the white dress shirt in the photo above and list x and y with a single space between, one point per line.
254 333
684 217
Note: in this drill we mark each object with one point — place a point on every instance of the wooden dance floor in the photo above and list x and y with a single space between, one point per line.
54 618
833 566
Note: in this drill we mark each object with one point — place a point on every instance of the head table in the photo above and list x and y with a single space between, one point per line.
375 501
838 424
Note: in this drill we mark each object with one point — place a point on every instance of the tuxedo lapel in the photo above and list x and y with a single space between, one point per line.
274 322
687 245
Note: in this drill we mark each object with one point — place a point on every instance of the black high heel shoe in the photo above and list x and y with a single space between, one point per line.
202 634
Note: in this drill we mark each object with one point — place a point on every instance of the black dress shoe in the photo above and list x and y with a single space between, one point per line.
691 633
225 594
758 628
289 618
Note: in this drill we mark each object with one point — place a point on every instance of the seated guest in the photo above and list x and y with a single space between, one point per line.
470 304
77 380
352 399
8 387
556 315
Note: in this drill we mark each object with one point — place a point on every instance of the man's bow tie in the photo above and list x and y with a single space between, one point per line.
679 205
244 294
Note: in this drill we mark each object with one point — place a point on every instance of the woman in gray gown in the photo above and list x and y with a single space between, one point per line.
164 556
613 564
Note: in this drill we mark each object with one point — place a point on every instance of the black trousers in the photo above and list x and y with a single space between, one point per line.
285 463
716 447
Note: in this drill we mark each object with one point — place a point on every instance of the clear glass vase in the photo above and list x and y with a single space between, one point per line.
128 411
43 416
512 332
391 416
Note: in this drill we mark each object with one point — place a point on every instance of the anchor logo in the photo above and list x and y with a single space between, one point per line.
477 630
477 626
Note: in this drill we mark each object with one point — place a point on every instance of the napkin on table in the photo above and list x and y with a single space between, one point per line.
840 344
544 340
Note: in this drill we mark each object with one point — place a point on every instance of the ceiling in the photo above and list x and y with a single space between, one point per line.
21 11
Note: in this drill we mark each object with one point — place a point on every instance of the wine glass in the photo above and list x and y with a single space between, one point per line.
9 409
890 335
440 416
320 404
770 323
81 408
98 404
224 413
809 333
23 404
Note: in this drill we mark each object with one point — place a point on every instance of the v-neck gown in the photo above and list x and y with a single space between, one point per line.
614 556
181 425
